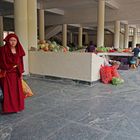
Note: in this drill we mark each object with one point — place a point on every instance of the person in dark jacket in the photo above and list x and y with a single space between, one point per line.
136 52
90 48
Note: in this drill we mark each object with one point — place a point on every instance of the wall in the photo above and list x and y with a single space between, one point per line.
138 39
108 39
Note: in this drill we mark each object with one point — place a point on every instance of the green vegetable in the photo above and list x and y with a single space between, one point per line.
102 49
117 81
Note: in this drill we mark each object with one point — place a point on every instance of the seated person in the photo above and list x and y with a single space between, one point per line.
114 63
90 48
108 62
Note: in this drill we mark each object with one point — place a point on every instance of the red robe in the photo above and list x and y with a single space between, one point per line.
11 83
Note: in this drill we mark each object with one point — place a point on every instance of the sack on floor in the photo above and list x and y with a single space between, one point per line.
114 72
117 81
105 74
26 90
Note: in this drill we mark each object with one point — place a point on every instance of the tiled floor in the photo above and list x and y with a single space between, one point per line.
64 110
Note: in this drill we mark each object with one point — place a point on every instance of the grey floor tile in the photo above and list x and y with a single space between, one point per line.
75 131
71 110
105 121
5 134
38 127
126 128
64 110
134 116
115 136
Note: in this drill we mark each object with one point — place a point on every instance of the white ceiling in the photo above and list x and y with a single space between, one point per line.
127 1
84 11
64 4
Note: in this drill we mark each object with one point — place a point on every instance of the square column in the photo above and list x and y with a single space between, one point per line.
32 23
117 34
121 41
64 28
134 38
80 37
21 27
101 18
41 25
126 38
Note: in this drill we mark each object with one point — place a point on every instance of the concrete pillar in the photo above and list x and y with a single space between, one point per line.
1 30
21 27
86 38
32 23
101 16
64 28
134 38
121 43
71 37
126 38
41 25
80 37
117 34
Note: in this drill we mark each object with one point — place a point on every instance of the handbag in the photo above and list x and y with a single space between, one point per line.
26 89
1 95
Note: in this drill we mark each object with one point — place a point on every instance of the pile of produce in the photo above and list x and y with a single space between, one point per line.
117 81
127 50
51 46
102 49
107 49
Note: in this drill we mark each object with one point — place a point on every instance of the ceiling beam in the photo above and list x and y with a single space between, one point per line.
112 4
55 11
67 3
9 1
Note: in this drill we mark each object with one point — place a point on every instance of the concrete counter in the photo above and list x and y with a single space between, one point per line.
71 65
115 54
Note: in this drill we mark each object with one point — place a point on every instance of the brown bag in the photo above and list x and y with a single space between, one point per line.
26 89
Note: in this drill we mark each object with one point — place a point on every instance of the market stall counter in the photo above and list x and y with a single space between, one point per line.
116 54
71 65
123 57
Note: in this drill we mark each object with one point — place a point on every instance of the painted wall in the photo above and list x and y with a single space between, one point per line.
138 39
109 39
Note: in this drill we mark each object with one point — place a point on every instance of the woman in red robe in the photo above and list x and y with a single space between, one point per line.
11 61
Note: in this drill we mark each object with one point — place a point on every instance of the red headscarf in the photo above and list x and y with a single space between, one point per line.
7 61
19 47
